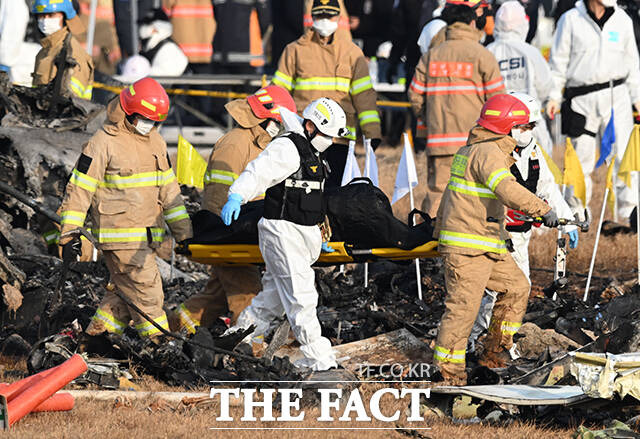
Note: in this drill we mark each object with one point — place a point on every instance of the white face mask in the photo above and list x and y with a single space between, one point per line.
273 129
49 26
321 143
144 126
608 3
522 138
325 27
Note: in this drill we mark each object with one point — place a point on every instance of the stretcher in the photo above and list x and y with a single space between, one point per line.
249 254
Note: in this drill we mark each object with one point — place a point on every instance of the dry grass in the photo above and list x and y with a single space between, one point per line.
148 420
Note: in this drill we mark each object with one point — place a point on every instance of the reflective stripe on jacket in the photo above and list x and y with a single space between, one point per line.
193 27
127 181
80 77
470 219
338 71
451 83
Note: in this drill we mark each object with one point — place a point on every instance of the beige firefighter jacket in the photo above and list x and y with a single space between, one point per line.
80 77
479 187
337 70
451 83
193 27
127 180
232 153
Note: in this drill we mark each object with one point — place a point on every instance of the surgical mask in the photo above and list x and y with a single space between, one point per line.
608 3
522 138
49 26
273 128
144 126
325 27
321 143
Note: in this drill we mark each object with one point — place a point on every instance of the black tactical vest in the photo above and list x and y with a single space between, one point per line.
299 197
530 183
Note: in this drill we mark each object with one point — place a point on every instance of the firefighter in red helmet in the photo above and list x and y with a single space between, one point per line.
230 289
124 180
474 243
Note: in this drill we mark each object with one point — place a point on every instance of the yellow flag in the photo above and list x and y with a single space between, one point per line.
611 198
631 160
191 166
573 175
557 175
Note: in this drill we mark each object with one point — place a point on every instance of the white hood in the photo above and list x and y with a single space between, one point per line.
511 21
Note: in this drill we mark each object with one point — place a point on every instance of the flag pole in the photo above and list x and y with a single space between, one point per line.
615 152
367 158
595 246
417 261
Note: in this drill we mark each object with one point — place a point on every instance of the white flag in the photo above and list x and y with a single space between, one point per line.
370 164
406 176
351 169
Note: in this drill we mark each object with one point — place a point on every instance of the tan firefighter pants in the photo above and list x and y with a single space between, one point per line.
135 274
229 289
466 277
438 172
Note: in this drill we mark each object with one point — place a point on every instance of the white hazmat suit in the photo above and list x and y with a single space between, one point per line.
289 250
583 54
522 66
548 190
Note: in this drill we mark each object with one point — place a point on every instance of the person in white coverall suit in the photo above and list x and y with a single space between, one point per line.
522 66
14 18
594 46
532 171
291 174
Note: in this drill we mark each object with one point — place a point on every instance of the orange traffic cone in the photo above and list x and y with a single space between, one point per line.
39 390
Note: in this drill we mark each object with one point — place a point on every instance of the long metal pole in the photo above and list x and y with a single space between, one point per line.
417 261
91 32
595 246
134 26
563 189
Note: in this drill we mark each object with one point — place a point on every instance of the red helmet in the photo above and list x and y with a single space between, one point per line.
147 98
503 112
266 102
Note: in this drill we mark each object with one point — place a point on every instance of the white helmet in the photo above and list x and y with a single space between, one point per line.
532 104
327 116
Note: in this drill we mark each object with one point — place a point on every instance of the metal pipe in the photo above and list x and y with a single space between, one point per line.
91 32
134 26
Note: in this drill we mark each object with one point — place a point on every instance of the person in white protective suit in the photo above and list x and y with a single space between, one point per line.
291 174
532 171
594 58
165 56
14 18
522 66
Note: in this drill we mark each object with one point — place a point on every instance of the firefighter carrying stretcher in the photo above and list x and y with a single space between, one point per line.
473 241
230 289
124 177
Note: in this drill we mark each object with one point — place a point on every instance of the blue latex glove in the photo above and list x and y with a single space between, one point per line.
231 209
573 238
67 8
326 248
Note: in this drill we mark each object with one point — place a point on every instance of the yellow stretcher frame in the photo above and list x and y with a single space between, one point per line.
249 254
